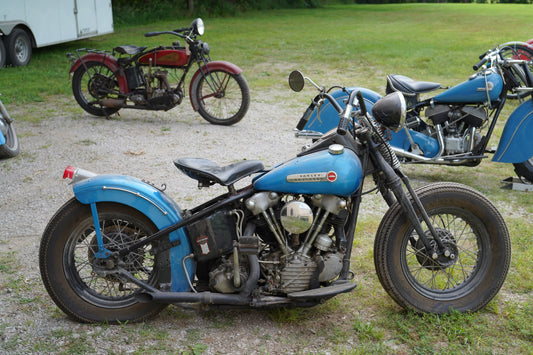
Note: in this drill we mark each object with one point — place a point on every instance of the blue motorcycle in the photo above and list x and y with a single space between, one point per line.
459 121
9 143
122 250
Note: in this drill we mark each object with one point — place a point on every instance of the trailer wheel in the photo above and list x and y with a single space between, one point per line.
18 45
2 53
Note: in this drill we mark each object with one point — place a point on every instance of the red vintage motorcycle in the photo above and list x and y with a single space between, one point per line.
153 79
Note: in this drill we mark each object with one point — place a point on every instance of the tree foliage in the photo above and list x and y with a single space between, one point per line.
139 11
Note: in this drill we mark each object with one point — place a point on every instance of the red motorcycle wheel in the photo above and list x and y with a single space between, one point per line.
93 82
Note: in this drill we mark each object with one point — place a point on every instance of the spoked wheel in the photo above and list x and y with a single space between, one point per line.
92 83
525 169
223 97
474 233
85 286
519 52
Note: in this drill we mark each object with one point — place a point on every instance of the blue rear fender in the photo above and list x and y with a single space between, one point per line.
153 203
516 142
327 117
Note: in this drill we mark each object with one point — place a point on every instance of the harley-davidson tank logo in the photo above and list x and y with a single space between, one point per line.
329 176
332 176
489 87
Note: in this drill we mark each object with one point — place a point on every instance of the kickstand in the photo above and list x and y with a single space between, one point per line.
517 184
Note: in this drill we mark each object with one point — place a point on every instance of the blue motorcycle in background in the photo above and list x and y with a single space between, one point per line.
121 249
9 143
459 121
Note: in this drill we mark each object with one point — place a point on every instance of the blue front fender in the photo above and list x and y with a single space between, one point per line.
153 203
326 117
516 142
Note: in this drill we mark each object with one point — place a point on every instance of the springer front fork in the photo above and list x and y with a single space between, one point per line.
393 179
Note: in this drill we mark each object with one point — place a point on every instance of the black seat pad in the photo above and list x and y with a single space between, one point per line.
129 49
206 171
407 85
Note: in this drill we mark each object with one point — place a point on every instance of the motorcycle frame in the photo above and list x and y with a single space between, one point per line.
96 189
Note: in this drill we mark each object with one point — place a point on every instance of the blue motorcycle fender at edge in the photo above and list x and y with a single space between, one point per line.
2 139
328 117
153 203
516 142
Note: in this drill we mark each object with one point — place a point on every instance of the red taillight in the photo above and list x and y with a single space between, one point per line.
69 172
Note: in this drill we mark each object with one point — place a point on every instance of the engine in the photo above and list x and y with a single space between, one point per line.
460 126
152 89
301 244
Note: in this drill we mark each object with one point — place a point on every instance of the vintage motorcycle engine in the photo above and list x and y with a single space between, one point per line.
152 89
460 125
304 238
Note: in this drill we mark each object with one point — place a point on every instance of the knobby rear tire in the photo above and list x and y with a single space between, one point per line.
66 261
474 229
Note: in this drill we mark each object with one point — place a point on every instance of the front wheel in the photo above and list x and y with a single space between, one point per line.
89 288
525 169
471 228
223 98
91 84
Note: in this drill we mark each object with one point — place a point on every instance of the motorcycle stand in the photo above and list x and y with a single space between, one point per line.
517 184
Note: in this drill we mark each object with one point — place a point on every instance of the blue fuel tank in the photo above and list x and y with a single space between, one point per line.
336 171
473 90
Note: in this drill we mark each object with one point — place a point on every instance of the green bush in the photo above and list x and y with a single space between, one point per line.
128 12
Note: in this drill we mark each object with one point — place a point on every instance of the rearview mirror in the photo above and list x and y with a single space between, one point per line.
296 81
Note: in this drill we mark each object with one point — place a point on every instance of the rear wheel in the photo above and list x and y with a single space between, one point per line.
525 169
92 289
473 231
223 98
18 45
93 82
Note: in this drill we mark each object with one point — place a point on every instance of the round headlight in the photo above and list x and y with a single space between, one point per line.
198 26
390 111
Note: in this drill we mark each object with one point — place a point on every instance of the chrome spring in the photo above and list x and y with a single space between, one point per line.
385 148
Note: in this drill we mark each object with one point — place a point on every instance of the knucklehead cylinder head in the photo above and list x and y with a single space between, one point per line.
261 202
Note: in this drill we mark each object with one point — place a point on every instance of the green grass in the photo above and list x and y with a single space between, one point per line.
350 45
358 43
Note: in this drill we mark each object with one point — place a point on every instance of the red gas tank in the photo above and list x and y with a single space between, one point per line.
168 57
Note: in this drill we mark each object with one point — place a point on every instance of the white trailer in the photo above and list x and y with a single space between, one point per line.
27 24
